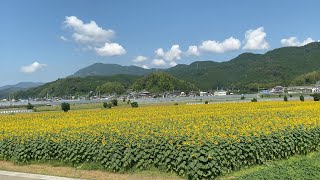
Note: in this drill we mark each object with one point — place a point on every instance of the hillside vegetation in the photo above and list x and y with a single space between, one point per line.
248 71
161 82
117 84
75 86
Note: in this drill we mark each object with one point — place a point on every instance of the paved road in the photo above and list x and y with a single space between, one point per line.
3 177
7 175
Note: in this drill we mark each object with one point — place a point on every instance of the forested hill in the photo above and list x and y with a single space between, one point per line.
276 67
100 69
75 86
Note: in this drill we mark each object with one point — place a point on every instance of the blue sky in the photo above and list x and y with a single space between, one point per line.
41 41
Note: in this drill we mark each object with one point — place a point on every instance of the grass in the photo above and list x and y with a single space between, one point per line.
296 167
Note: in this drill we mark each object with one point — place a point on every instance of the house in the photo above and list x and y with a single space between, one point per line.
202 93
277 90
265 92
183 94
220 93
300 89
315 89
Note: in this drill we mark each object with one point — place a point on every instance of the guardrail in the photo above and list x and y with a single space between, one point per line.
15 111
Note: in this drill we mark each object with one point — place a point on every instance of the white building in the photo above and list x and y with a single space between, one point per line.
316 89
220 93
203 93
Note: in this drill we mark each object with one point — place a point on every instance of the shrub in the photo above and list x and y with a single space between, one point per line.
65 106
254 100
316 96
206 102
30 106
128 102
134 104
114 102
290 95
107 105
243 98
176 104
285 98
301 97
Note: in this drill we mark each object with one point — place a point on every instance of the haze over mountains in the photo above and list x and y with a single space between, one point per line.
247 71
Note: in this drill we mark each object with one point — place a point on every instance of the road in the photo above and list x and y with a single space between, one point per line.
7 175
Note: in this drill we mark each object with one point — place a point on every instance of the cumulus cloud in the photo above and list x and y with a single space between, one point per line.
168 57
145 66
159 62
88 32
193 51
229 44
293 41
255 39
140 59
110 49
159 52
32 67
171 55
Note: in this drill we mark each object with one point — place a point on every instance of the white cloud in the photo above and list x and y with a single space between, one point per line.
255 39
159 62
193 51
171 55
110 49
145 66
229 44
140 59
88 32
172 63
293 41
63 38
159 52
32 67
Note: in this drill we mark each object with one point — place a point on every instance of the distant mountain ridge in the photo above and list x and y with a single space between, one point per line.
278 66
100 69
8 90
22 85
247 72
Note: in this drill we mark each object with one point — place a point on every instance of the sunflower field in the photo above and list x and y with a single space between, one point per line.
195 141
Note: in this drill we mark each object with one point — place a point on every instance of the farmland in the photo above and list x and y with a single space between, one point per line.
194 141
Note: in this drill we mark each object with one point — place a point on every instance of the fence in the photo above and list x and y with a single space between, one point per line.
15 111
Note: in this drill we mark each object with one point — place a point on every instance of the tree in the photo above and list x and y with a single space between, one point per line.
65 106
134 104
254 100
114 102
316 96
112 88
243 98
30 106
301 97
107 105
285 98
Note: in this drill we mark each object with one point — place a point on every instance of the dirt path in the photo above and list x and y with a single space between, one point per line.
84 174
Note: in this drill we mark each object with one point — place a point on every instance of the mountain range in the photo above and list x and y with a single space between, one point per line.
247 71
5 91
276 67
